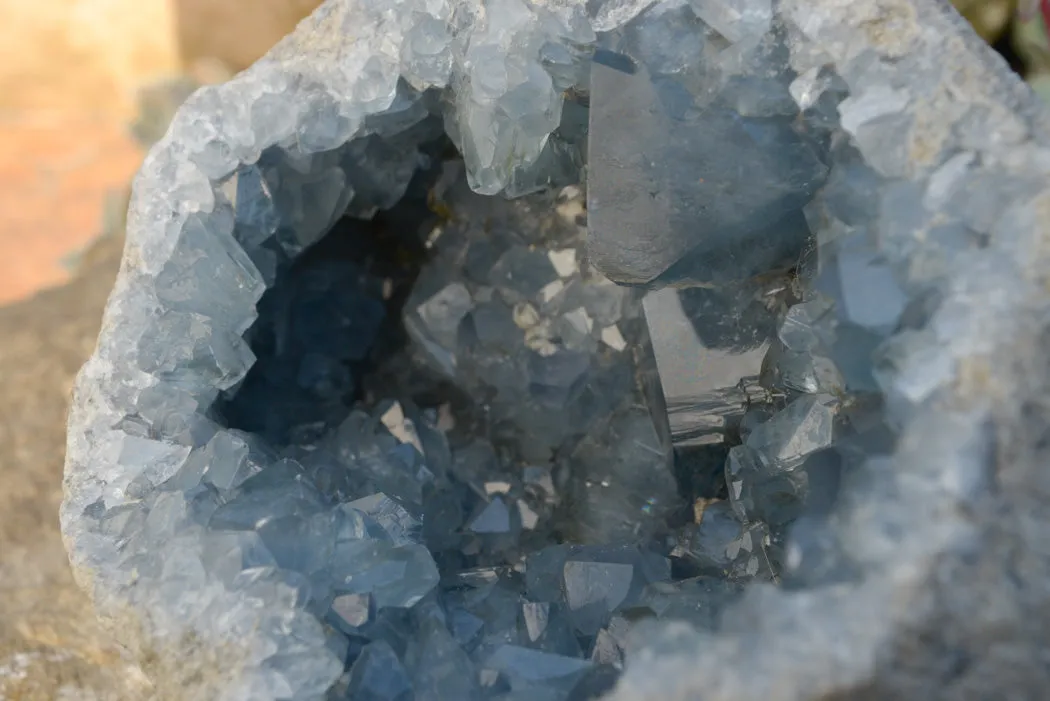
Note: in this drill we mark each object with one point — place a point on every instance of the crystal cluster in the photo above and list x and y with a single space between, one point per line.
353 431
509 310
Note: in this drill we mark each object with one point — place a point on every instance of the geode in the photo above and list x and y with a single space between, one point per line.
735 389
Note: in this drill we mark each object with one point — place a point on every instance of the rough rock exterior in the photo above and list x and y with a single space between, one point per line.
272 511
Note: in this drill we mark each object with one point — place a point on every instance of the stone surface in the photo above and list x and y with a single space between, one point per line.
490 469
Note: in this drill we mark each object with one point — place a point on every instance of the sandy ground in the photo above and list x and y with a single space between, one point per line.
56 172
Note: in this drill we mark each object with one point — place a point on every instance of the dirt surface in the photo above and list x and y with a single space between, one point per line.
83 55
234 32
56 172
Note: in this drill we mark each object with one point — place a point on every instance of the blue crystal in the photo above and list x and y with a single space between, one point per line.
397 576
439 668
387 519
378 675
592 581
525 667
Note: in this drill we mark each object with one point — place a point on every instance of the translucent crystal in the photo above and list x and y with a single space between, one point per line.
443 313
797 331
735 20
759 493
395 522
627 487
521 273
536 616
258 501
597 583
426 55
873 299
299 542
802 427
377 675
227 554
615 13
611 643
751 554
805 372
229 460
439 668
397 576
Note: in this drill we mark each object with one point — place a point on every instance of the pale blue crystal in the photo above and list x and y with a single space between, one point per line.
525 667
378 675
397 576
494 518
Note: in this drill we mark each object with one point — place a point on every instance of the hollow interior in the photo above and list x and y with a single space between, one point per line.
488 470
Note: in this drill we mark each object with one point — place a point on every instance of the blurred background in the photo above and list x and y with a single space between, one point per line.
85 87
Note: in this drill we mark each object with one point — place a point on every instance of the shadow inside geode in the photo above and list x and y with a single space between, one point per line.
329 321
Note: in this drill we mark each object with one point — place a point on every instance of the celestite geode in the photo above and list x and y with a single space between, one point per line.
739 395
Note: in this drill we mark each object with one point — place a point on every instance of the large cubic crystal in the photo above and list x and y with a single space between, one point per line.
671 107
354 430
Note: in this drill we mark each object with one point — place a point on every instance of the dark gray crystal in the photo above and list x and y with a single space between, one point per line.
494 518
701 601
661 129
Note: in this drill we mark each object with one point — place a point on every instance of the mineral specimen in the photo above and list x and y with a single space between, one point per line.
353 431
